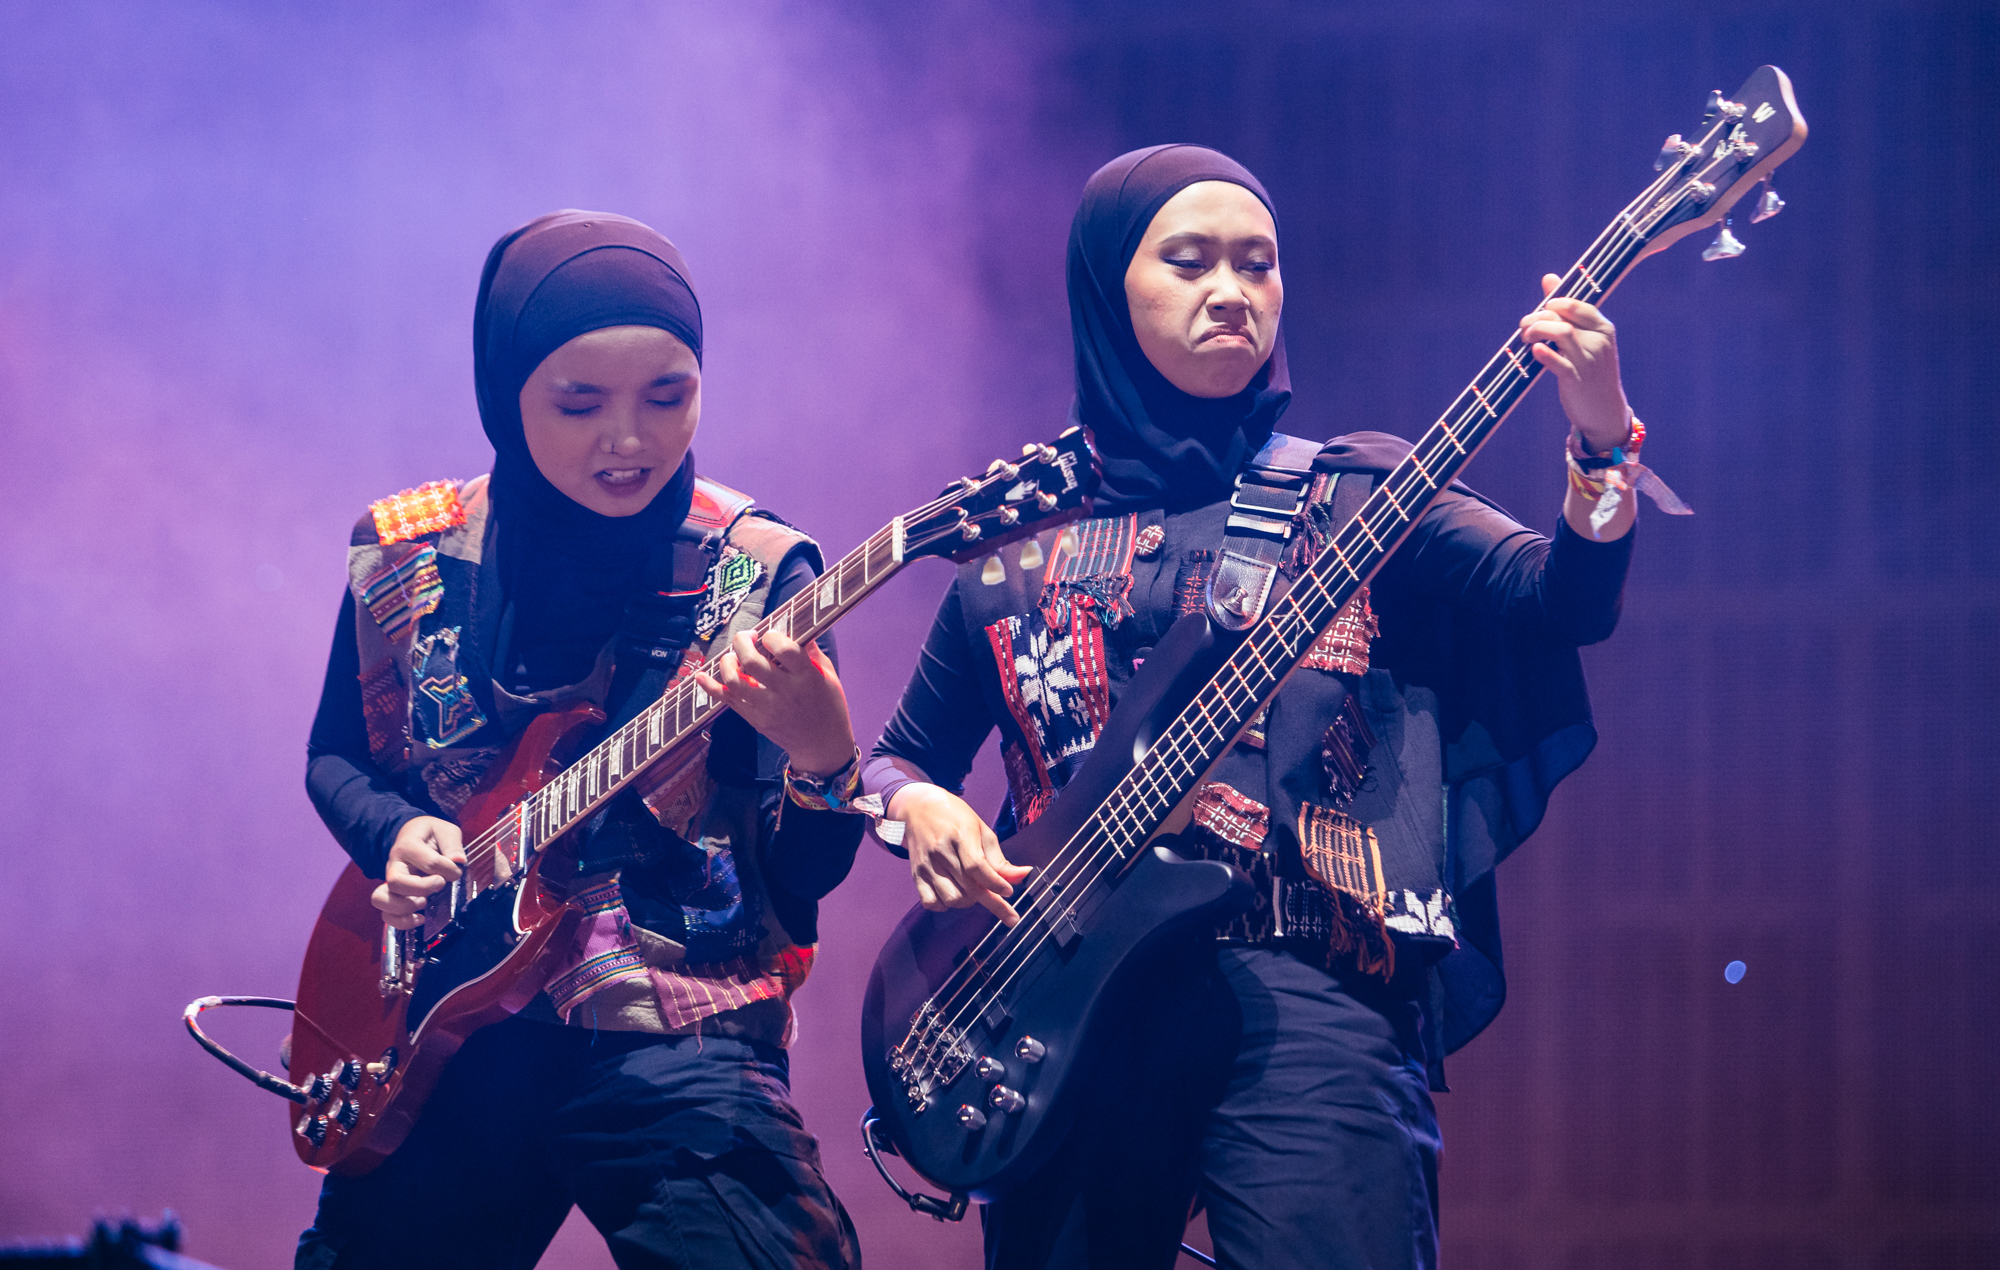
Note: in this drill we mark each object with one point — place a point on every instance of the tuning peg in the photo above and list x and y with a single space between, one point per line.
1725 245
1768 203
1713 108
1004 470
1046 501
1669 153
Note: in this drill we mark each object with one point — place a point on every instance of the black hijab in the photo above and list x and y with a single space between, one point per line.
566 569
1157 445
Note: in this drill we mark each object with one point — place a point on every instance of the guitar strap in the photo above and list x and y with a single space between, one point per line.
1264 508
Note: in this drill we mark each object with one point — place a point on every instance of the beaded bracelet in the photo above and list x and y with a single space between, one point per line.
840 791
1635 437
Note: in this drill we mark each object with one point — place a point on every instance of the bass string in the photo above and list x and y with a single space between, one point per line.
1621 237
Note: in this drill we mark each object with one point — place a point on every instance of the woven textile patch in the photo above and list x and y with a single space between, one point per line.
730 579
1343 856
452 779
428 509
693 993
402 591
382 709
1231 815
1054 680
1343 646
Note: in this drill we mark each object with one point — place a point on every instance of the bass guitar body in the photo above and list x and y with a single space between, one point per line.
380 1013
973 1053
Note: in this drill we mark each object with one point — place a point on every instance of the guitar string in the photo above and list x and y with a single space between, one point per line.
536 816
1623 234
1117 814
1600 248
1123 819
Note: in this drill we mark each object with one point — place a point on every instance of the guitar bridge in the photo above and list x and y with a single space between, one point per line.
931 1056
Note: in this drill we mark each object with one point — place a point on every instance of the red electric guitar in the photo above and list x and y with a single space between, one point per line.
380 1010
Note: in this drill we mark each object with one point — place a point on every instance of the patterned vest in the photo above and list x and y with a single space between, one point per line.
417 563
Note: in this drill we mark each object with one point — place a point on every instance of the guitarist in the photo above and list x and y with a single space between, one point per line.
1282 1074
648 1083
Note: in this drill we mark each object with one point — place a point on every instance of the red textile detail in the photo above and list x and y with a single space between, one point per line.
1027 773
1087 650
385 709
693 993
428 509
1231 815
1343 646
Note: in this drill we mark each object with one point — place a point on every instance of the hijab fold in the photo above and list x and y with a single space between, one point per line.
1156 445
567 570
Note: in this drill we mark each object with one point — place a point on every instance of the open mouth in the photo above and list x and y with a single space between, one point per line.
623 480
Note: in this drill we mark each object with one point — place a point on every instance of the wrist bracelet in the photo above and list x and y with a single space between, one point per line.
839 791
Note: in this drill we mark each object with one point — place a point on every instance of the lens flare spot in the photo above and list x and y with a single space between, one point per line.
1734 971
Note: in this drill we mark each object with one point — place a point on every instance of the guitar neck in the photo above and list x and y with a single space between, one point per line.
1255 670
685 709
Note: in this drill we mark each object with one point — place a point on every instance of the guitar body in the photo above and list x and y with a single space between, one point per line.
380 1044
1059 995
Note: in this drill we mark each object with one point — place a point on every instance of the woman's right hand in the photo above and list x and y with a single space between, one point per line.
954 858
427 856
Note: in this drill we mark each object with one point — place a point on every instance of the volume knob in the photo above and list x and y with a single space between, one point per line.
1030 1050
989 1069
972 1118
1001 1098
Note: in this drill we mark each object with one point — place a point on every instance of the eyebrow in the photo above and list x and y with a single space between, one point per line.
1196 236
576 388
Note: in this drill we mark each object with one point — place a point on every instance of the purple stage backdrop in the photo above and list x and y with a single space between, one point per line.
240 248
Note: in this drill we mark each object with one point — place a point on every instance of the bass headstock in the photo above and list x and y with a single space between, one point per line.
1047 485
1741 140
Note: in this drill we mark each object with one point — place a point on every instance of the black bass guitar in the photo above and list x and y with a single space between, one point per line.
976 1038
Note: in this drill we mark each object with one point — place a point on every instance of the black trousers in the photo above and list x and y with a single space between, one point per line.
684 1152
1291 1102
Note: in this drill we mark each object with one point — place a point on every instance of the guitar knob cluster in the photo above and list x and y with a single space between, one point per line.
1001 1098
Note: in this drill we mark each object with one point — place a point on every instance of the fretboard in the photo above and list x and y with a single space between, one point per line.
685 708
1257 667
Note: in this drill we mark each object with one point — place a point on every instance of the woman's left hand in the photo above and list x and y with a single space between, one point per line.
1585 363
790 694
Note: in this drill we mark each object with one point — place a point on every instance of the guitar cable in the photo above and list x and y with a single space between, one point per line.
263 1080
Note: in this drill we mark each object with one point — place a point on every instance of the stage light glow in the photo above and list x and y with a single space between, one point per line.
1734 971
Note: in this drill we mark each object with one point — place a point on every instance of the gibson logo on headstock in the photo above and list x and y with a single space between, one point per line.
1065 461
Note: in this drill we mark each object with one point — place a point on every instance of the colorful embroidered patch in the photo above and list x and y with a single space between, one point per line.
1344 646
428 509
1231 815
1191 583
693 993
1054 681
1342 855
382 709
594 975
402 591
1150 540
1094 562
730 579
443 702
1343 752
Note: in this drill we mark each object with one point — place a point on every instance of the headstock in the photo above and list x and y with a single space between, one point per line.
1740 141
1047 485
